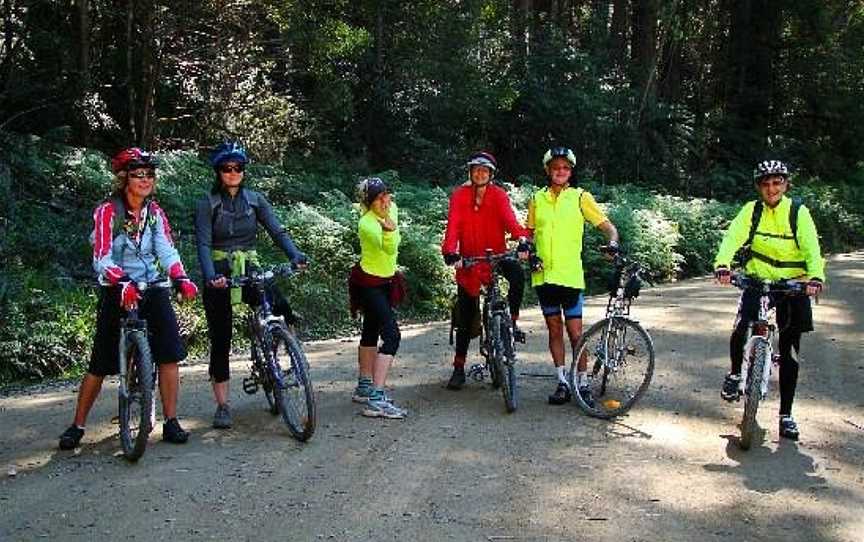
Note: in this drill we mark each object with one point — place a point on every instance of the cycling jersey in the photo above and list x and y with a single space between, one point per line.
775 253
379 249
473 229
232 225
138 250
558 224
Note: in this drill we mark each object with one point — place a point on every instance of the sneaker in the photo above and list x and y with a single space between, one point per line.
457 379
730 390
518 334
361 394
585 394
562 395
172 432
788 428
383 408
71 437
222 417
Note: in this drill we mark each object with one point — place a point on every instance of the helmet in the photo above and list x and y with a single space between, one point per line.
559 152
770 167
132 158
484 159
370 188
230 151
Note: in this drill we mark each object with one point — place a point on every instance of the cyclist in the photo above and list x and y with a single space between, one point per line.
480 215
557 216
776 252
375 288
226 228
131 240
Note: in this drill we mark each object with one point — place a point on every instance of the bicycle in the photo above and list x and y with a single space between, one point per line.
136 401
279 365
760 346
497 344
618 351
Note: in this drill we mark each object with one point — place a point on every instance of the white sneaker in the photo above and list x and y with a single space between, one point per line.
383 408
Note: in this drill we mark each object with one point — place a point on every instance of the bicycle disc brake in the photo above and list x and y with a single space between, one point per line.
478 372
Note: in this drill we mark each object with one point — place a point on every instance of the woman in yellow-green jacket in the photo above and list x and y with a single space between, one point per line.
375 288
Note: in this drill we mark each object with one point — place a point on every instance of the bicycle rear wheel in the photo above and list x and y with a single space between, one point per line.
136 396
753 392
503 359
620 363
292 386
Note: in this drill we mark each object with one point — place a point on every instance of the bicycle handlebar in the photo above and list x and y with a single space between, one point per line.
789 286
280 270
490 258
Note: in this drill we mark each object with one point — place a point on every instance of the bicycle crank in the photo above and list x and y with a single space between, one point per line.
250 385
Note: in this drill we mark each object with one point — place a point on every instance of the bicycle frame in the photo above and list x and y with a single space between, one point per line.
132 323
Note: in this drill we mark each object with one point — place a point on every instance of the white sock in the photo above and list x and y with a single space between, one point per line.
582 379
562 374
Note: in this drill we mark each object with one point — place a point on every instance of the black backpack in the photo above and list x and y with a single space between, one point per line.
744 254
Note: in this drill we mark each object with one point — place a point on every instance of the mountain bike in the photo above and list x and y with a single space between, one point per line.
618 352
279 365
497 344
137 404
760 348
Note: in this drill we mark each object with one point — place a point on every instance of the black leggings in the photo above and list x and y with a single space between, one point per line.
220 314
469 306
379 320
790 344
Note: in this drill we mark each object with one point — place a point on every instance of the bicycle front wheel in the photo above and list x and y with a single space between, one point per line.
504 359
292 386
136 397
753 392
618 357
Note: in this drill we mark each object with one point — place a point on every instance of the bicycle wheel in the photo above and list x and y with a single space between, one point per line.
620 363
753 392
506 360
136 396
292 386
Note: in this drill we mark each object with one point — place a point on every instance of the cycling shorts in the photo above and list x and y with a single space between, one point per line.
556 299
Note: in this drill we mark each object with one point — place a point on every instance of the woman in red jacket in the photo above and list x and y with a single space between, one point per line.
480 214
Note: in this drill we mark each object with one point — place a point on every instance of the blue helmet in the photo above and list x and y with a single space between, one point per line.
230 151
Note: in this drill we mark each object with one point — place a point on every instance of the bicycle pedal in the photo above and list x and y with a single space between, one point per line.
250 386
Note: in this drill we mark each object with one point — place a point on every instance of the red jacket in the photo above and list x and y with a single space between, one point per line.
471 231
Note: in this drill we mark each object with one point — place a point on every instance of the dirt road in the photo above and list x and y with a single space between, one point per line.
460 468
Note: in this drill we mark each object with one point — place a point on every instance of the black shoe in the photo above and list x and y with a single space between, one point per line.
172 432
788 428
518 334
561 395
457 379
585 394
71 437
730 390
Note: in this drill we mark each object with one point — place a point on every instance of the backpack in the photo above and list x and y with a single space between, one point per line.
744 254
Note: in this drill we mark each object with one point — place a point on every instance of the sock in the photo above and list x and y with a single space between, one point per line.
562 374
582 379
459 362
364 381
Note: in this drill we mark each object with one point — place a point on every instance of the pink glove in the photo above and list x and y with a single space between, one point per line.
187 288
129 294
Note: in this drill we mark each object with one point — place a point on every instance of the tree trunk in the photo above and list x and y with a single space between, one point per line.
618 31
130 69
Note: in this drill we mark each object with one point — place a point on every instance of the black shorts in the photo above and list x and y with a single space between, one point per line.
163 332
555 299
794 312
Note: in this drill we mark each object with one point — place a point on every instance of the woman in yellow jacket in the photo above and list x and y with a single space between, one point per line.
776 252
557 216
375 288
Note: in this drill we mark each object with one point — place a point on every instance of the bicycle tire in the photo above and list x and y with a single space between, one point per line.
295 398
136 403
615 384
507 361
753 393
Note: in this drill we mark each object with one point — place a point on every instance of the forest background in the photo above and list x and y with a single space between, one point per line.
667 104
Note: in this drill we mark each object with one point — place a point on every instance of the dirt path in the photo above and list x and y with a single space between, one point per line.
460 468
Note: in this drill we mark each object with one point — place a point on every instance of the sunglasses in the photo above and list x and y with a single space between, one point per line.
144 175
231 169
775 182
